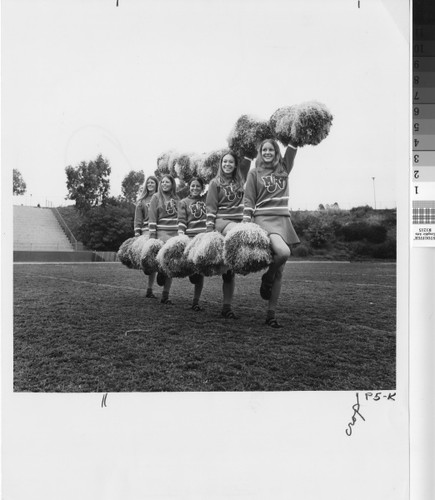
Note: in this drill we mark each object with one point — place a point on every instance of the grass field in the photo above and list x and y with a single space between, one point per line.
89 328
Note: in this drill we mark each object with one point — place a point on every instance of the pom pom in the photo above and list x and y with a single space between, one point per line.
185 168
171 257
208 168
197 161
247 248
124 252
281 123
173 157
205 253
166 164
163 163
150 249
136 250
247 134
304 124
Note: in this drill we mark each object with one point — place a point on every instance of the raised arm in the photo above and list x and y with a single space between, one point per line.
289 157
182 217
211 204
152 216
245 165
250 198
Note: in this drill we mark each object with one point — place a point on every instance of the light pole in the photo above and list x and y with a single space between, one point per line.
374 191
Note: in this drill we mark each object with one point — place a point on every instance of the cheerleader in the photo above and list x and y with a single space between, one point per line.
266 204
141 220
224 207
162 223
191 221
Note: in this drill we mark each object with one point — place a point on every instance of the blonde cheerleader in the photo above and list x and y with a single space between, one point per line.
163 223
141 220
266 203
224 205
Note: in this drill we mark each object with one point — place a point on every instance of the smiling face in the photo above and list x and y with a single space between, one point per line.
166 184
195 188
228 165
151 186
268 152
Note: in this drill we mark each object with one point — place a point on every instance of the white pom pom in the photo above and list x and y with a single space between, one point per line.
136 250
205 252
150 249
124 252
247 248
171 257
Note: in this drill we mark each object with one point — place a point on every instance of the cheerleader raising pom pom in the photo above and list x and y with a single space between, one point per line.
247 134
209 166
247 248
304 124
148 262
205 253
124 255
172 260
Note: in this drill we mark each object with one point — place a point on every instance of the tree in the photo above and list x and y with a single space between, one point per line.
131 184
106 227
88 183
19 185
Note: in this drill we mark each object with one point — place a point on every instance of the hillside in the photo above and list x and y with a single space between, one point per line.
332 234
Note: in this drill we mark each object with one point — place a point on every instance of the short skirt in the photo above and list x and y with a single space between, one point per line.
166 235
278 224
221 224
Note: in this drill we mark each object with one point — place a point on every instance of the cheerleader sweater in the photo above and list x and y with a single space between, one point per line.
267 193
225 201
191 215
162 218
141 214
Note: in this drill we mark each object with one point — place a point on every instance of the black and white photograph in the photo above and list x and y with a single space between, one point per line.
204 265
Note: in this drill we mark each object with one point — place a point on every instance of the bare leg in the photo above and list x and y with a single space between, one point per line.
281 252
229 284
197 293
166 290
281 255
151 278
228 287
276 288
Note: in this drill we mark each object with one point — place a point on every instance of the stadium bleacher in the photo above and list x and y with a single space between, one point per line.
37 229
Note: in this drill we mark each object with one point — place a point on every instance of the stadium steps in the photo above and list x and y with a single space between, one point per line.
37 229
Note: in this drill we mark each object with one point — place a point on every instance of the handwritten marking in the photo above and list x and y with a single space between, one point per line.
378 395
358 4
103 401
356 412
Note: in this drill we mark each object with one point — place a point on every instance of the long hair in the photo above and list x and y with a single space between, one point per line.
172 193
236 175
144 192
277 165
197 179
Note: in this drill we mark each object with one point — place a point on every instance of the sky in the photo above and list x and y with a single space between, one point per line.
80 78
